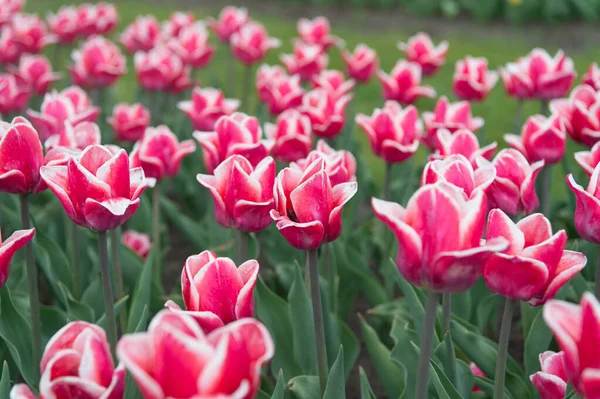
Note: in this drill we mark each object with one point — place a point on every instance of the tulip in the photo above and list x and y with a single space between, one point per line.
472 81
86 16
264 75
339 165
403 84
192 45
142 34
106 18
476 372
551 382
327 114
9 50
137 242
317 32
177 21
28 33
211 303
36 71
97 64
307 60
14 93
515 77
206 107
580 114
587 207
592 76
237 133
588 159
458 171
8 247
64 24
420 49
292 136
541 139
281 93
449 116
8 8
159 69
77 137
231 20
129 121
462 142
361 64
251 43
334 82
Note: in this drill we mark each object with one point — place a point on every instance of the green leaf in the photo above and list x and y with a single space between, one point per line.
101 322
402 336
141 325
487 386
52 320
442 384
464 378
304 387
141 294
75 309
5 381
336 382
92 296
279 391
365 388
131 389
448 362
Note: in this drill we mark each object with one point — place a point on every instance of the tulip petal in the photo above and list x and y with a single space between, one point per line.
586 211
244 306
590 379
549 386
8 248
536 229
21 391
208 321
570 264
515 277
109 214
304 236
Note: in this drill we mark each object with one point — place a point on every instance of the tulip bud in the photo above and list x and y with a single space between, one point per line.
362 63
160 69
472 81
192 45
142 34
542 139
36 71
98 63
339 165
317 32
403 84
206 107
333 82
14 93
137 242
77 137
292 135
458 171
420 49
251 43
231 19
587 208
177 22
129 121
28 33
551 381
307 60
579 114
462 142
327 113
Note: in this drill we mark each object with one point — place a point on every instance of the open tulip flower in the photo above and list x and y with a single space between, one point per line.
231 19
243 194
472 81
28 33
581 114
420 49
237 133
37 72
441 250
592 76
137 242
77 137
177 21
264 76
14 93
251 43
159 153
551 381
327 113
307 60
340 165
64 24
105 18
142 34
207 299
318 32
361 64
206 107
462 142
160 69
8 247
98 63
535 265
588 159
403 84
334 82
587 206
192 45
281 93
542 139
129 121
292 135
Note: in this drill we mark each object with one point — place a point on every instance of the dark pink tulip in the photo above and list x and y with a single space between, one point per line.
176 359
206 107
97 64
592 76
551 381
182 81
392 131
106 18
37 72
177 21
9 50
403 84
587 207
8 247
231 19
77 137
458 171
442 250
535 265
210 302
28 33
327 114
86 16
137 242
472 81
14 93
317 32
581 114
334 82
362 63
192 45
462 142
237 133
129 121
64 24
252 43
281 93
588 159
307 60
159 69
98 190
542 139
159 153
292 135
516 80
339 165
264 75
420 49
143 34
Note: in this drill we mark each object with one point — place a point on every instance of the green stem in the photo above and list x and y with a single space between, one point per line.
544 107
426 345
34 299
507 316
242 246
111 325
447 312
230 73
388 181
315 293
75 259
156 232
118 278
246 87
546 176
518 122
331 269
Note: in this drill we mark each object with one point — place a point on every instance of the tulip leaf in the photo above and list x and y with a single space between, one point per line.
5 381
304 387
443 386
52 320
279 391
402 336
117 306
464 378
487 386
336 383
141 295
448 362
131 389
75 309
366 392
141 326
92 296
537 341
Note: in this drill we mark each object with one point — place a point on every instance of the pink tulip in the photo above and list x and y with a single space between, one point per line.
192 45
86 16
98 190
581 114
237 133
542 139
77 137
36 71
535 265
159 153
97 64
458 171
106 18
21 391
178 21
159 69
462 142
403 84
476 372
420 49
252 43
182 80
210 302
8 8
264 76
588 159
64 24
339 165
206 107
327 114
551 381
282 93
8 247
292 135
142 34
334 82
176 359
317 32
14 93
392 131
448 116
137 242
439 250
28 33
231 19
129 121
587 207
307 60
472 81
362 63
592 76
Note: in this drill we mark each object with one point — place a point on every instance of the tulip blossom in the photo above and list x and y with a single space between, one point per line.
264 76
14 93
142 34
177 21
587 207
8 8
334 82
98 190
307 60
462 142
37 72
403 84
237 133
106 18
472 81
327 114
129 121
476 372
98 63
159 69
588 159
77 137
251 43
339 165
317 32
442 250
420 49
86 16
592 76
362 63
581 114
231 19
9 50
281 93
206 107
210 302
28 33
458 171
192 45
8 247
542 139
64 24
392 131
159 153
292 135
551 381
137 242
535 265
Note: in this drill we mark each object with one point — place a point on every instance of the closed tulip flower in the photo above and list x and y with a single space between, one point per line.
551 381
143 34
458 171
231 19
137 242
403 84
206 107
63 24
264 75
159 153
516 79
462 142
210 302
37 72
192 45
129 121
587 207
392 131
542 139
535 265
592 76
292 135
472 81
327 114
581 114
282 93
106 18
588 159
98 63
334 82
317 32
362 63
159 69
251 43
10 52
307 60
86 15
420 49
177 21
28 33
77 137
8 247
339 165
442 250
14 93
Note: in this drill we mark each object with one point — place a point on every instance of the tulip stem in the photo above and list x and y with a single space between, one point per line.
507 315
118 278
242 246
447 312
230 73
246 87
518 117
34 299
75 259
426 345
156 231
387 185
597 287
544 107
546 177
111 324
315 293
